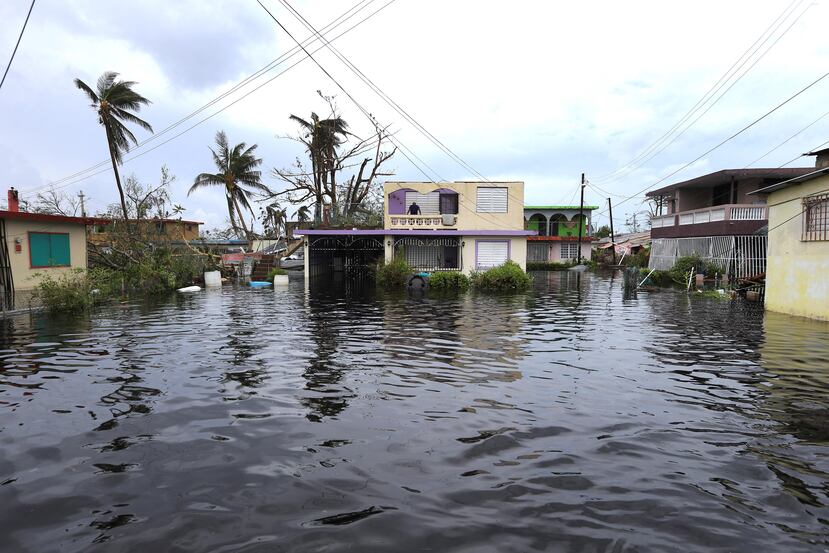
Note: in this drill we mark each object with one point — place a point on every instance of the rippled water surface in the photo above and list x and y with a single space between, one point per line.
567 419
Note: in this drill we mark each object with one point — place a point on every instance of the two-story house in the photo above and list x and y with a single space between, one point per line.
559 228
717 216
458 226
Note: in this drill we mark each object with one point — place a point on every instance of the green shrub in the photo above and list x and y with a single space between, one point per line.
548 265
679 272
394 274
661 278
73 291
639 259
448 280
506 277
275 271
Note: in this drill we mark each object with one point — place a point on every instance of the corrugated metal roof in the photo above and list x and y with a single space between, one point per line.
725 176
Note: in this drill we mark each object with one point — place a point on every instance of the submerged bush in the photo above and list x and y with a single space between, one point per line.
679 272
74 291
394 274
275 271
507 277
548 265
448 280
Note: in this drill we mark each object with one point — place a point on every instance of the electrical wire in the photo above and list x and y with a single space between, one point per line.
199 122
660 144
336 22
736 134
8 66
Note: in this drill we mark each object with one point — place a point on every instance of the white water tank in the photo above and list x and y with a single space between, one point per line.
212 279
280 280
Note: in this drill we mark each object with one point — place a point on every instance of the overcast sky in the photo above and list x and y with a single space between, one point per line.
524 90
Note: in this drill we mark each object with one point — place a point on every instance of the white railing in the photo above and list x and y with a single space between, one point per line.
715 214
661 222
421 221
754 213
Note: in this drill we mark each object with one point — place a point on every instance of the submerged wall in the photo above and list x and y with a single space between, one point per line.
797 275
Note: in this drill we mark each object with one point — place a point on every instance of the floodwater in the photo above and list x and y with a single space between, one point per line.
567 419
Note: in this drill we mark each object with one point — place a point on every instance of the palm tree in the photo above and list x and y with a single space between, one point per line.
115 102
237 175
303 214
322 138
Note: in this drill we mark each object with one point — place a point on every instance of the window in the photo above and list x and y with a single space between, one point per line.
569 250
491 253
48 249
491 200
449 204
428 203
160 227
815 218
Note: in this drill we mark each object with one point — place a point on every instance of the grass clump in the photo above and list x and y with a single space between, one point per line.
275 271
507 277
448 280
394 274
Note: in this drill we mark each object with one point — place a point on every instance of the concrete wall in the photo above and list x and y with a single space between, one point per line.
553 249
797 273
688 199
468 217
22 272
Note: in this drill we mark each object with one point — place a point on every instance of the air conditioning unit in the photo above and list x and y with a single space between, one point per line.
449 219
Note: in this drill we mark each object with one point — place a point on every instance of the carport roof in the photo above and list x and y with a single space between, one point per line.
383 232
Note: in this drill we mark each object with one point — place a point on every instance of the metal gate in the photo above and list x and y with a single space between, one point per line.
6 281
348 254
430 254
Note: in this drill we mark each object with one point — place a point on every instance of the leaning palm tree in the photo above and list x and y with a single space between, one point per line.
237 176
115 102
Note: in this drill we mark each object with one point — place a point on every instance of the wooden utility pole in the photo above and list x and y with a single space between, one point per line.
612 234
581 215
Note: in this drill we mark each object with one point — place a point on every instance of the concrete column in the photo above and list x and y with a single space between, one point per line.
388 244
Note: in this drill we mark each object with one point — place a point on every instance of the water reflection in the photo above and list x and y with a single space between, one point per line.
568 418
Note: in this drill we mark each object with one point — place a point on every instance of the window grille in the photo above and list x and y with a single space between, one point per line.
815 218
569 250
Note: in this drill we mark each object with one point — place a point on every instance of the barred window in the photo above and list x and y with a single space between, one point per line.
815 218
569 250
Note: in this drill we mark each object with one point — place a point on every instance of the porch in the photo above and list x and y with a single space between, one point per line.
721 220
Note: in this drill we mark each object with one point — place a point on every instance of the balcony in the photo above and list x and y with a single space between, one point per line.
423 221
721 220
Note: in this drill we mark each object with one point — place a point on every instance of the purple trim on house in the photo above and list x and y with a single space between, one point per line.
509 249
397 201
383 232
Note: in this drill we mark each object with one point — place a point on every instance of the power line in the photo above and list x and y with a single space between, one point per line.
6 72
248 93
736 134
336 22
788 139
665 140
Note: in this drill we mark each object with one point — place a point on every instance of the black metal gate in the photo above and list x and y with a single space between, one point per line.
348 254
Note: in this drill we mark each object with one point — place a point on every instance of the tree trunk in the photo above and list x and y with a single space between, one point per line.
115 170
241 218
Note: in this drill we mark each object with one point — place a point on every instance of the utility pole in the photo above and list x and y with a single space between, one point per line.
83 209
581 215
612 234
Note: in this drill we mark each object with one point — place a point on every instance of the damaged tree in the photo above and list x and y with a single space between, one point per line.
325 141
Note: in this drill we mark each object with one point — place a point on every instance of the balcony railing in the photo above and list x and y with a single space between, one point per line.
730 212
423 221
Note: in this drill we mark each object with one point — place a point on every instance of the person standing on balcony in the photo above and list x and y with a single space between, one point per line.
414 209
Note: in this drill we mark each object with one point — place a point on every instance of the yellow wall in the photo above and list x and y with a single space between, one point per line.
468 218
22 273
172 230
797 273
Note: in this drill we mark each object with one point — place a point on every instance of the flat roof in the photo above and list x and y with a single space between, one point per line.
559 207
384 232
725 176
43 217
815 173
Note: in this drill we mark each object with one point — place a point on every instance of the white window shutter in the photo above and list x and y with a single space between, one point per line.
429 203
492 199
491 254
